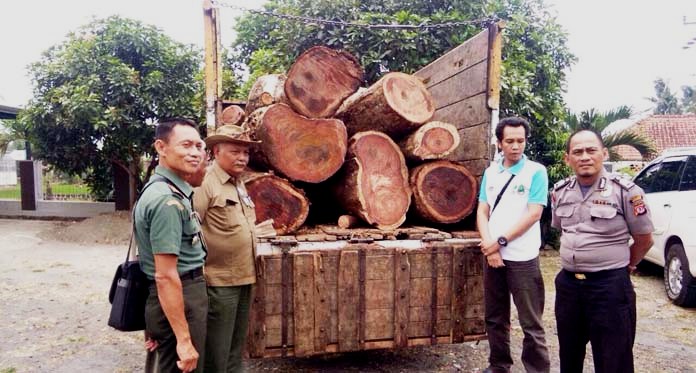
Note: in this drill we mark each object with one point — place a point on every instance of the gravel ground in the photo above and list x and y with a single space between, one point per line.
54 279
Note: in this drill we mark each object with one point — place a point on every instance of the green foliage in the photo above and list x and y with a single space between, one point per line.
599 121
535 54
97 94
665 101
689 99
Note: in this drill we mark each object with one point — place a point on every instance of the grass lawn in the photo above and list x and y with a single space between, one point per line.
13 192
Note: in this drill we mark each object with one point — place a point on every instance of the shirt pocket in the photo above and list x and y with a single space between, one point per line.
223 209
567 216
191 229
605 218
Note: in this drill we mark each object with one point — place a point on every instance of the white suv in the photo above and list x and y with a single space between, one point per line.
669 183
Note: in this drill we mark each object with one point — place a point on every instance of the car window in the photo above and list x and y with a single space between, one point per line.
647 177
668 176
688 181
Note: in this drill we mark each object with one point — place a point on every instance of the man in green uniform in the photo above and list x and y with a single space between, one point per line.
171 251
227 216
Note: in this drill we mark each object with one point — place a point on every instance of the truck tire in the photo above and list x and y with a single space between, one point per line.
679 284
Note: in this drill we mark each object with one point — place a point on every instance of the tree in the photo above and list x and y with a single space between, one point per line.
97 94
665 101
592 119
535 54
689 99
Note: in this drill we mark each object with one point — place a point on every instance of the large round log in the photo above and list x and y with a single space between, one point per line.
433 140
232 114
320 79
397 104
266 90
275 198
443 191
374 181
299 148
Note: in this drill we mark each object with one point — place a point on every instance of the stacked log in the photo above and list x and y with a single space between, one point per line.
443 191
396 105
276 198
433 140
320 79
299 148
303 121
374 183
232 114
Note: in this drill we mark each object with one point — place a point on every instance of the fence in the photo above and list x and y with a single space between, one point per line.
9 179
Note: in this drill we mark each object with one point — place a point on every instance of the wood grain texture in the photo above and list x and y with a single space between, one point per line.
276 198
303 303
402 297
443 191
348 303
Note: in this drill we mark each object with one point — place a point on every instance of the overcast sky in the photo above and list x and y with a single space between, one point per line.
622 45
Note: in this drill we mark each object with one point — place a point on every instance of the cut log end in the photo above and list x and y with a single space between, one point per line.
348 221
320 79
275 198
434 140
302 149
408 97
232 114
443 191
380 180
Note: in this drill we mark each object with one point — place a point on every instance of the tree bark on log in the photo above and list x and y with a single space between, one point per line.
267 90
433 140
443 191
275 198
299 148
232 114
374 181
397 104
320 79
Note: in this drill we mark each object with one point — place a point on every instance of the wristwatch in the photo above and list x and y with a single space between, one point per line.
502 241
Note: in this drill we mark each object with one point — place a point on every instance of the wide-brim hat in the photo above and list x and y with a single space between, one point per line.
230 133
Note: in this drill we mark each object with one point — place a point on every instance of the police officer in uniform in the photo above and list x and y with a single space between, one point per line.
228 218
597 212
172 253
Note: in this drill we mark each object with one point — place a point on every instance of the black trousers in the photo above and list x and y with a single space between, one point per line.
600 309
196 310
523 280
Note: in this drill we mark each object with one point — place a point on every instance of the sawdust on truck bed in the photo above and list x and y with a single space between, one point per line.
111 229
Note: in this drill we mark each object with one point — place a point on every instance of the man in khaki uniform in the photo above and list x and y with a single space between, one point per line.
227 216
597 212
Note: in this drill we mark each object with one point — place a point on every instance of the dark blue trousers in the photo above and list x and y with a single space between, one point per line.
600 309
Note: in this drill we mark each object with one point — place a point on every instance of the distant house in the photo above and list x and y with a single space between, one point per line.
666 131
8 112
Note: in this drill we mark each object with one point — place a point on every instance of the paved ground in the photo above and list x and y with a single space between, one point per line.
53 311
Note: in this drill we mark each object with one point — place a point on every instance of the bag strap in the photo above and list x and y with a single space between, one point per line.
155 178
500 195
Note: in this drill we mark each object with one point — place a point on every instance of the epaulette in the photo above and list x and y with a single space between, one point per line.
176 191
625 184
560 184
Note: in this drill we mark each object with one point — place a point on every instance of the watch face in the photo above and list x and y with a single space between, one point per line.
502 241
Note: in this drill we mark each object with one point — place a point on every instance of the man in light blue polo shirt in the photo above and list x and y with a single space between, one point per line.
512 198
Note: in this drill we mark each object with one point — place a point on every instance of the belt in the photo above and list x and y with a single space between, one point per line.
192 274
598 275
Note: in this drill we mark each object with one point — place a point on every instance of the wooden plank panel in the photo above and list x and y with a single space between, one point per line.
379 294
474 297
322 304
421 292
348 302
475 166
379 324
273 275
474 264
465 84
444 291
402 279
468 112
495 60
423 313
466 54
474 327
420 265
303 300
421 329
274 294
474 142
257 314
274 330
459 295
379 267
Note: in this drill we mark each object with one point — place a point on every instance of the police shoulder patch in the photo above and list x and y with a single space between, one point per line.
623 183
560 184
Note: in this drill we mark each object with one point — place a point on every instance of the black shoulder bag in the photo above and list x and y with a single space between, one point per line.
129 288
500 195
